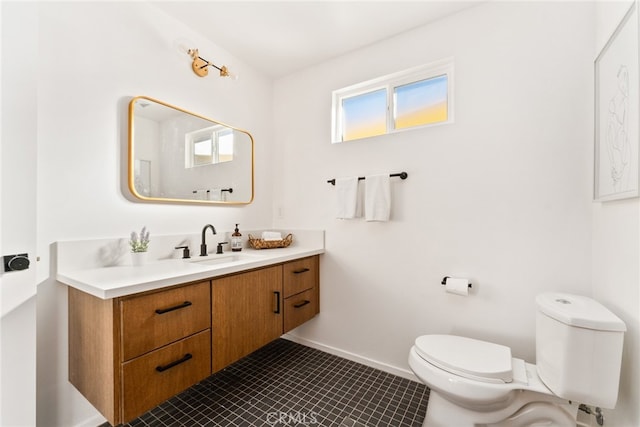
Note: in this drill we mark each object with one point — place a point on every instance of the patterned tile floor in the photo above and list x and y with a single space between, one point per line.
288 384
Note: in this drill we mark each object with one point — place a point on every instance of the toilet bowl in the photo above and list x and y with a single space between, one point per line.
477 383
464 398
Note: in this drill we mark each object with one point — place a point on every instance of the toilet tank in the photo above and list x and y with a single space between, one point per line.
578 348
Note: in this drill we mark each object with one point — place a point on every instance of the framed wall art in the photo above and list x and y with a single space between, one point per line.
617 113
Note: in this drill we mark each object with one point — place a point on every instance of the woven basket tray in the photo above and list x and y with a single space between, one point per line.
270 244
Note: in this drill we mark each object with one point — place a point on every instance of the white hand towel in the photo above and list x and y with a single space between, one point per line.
271 235
346 197
215 194
377 198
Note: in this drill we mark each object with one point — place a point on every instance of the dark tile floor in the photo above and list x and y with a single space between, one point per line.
288 384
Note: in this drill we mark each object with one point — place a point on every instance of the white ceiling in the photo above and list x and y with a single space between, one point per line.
280 37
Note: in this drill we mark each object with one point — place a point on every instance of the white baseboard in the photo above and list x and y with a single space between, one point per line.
404 373
92 422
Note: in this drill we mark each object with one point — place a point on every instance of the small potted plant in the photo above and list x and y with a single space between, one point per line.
139 246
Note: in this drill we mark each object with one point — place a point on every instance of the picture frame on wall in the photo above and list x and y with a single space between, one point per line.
617 113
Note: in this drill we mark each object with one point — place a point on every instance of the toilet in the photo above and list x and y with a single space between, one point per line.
477 383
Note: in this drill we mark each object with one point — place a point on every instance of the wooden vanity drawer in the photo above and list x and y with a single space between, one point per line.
300 275
153 378
153 320
300 308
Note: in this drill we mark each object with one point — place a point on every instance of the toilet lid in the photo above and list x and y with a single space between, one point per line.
469 358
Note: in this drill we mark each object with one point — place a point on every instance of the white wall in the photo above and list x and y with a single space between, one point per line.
616 260
92 58
502 196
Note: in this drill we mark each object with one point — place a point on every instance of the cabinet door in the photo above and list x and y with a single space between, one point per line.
247 313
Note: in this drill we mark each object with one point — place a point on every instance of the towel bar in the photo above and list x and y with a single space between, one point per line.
402 175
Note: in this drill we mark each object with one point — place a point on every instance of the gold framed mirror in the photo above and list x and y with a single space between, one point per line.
176 156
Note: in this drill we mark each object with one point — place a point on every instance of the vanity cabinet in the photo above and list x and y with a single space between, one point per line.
131 353
127 355
254 308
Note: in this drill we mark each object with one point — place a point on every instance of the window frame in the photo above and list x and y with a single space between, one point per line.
211 134
390 82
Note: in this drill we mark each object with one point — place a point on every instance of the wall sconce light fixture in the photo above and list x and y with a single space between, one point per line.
201 66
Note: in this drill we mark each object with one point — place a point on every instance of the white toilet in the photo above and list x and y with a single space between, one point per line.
476 383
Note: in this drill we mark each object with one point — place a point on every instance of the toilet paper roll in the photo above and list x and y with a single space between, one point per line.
457 285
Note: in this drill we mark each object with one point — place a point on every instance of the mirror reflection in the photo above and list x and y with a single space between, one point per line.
178 156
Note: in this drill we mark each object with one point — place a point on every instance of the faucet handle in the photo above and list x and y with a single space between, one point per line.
185 251
219 248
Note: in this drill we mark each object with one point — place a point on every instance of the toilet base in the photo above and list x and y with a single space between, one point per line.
443 413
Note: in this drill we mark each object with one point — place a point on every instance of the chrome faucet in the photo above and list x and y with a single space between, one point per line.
203 245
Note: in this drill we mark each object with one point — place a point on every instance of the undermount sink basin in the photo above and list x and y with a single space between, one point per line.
223 259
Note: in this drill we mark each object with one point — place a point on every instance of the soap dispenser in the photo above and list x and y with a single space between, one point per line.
236 240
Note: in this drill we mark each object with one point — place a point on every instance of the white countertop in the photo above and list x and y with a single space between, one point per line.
117 281
121 280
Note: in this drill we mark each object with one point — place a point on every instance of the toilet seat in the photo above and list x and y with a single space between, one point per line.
469 358
460 401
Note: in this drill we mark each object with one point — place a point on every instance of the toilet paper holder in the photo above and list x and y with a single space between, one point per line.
444 281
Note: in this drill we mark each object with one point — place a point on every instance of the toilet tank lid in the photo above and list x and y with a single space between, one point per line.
580 311
467 357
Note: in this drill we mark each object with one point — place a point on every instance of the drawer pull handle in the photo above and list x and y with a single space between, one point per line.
301 304
277 294
175 363
177 307
302 270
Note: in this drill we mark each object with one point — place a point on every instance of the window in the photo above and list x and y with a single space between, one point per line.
421 96
202 152
225 146
364 115
208 146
